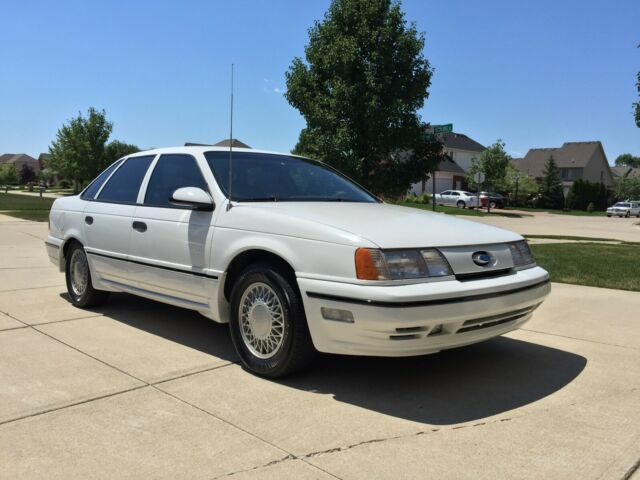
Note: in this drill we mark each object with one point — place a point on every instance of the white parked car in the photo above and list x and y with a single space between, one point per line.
457 198
624 209
303 261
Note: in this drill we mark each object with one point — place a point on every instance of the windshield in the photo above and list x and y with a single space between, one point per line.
260 177
619 204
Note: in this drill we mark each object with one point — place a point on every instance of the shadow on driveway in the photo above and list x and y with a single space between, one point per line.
450 387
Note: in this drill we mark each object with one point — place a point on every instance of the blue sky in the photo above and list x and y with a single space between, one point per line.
535 74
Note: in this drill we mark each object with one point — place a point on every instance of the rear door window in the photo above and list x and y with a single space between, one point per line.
170 173
124 184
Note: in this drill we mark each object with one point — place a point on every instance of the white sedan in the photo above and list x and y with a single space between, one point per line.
457 198
299 259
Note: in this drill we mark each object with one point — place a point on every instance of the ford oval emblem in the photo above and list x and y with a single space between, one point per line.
483 259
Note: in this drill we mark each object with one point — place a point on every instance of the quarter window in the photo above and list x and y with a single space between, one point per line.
170 173
90 192
124 184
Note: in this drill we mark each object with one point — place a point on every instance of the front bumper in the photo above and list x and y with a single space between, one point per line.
422 318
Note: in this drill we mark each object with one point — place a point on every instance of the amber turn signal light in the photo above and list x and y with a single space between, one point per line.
367 261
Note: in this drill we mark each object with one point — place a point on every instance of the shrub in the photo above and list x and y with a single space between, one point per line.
425 198
64 183
583 193
591 207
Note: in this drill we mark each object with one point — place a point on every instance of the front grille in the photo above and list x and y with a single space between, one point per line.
465 277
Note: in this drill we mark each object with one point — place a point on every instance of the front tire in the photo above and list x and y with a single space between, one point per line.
460 204
268 324
78 276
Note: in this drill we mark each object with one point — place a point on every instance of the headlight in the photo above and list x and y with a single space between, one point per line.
373 264
521 254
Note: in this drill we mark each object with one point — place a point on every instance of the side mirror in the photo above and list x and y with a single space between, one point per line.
193 197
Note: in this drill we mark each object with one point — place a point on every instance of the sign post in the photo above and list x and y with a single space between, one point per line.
433 133
479 178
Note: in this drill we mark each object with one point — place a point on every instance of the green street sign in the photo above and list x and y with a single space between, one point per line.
443 128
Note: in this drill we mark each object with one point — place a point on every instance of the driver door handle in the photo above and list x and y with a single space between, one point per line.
139 226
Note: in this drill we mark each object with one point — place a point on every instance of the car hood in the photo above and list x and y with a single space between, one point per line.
387 226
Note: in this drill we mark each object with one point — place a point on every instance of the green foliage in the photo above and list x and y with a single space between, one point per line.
364 79
78 152
116 150
425 199
8 175
494 162
584 193
26 175
64 184
591 207
627 160
551 193
627 189
518 182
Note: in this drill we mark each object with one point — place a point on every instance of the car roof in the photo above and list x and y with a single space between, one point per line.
201 149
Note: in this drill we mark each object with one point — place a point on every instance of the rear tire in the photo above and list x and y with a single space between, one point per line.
492 205
78 276
268 325
460 204
627 215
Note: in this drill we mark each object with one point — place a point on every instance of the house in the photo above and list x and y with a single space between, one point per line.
448 176
625 172
461 149
459 152
222 143
20 160
576 160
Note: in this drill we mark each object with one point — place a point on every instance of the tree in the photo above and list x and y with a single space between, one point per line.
551 193
117 149
525 186
78 152
627 188
8 174
27 174
494 163
364 79
627 160
584 192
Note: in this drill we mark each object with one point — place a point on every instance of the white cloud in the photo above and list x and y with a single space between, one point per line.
277 90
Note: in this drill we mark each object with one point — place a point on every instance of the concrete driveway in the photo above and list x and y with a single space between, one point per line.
142 390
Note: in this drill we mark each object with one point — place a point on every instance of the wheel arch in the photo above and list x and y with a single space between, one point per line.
253 256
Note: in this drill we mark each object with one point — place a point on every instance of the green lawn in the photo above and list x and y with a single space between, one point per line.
580 213
591 264
461 211
25 206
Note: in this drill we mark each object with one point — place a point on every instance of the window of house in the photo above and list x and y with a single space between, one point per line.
124 184
170 173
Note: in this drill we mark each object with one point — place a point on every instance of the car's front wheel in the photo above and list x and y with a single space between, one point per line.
78 276
628 214
268 324
460 204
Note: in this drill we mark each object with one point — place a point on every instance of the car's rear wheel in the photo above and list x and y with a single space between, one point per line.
78 276
268 324
460 204
492 205
628 214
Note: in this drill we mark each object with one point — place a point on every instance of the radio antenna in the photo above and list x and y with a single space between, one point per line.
230 143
